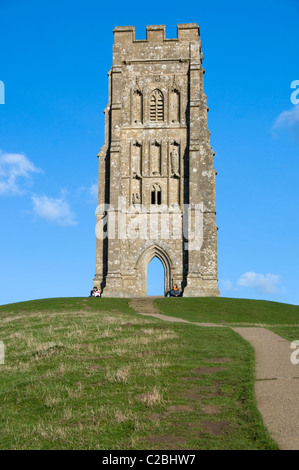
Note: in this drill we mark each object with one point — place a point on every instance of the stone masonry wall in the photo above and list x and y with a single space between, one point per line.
157 158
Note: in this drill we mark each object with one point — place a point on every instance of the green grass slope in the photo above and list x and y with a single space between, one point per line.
92 374
229 311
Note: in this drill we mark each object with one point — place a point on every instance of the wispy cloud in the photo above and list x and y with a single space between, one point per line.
91 191
264 283
287 118
55 210
15 172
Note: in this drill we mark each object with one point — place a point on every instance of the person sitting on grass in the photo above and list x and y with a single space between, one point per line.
95 292
175 291
92 291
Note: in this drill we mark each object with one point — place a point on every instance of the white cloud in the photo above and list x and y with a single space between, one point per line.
267 284
15 170
54 210
93 190
287 118
90 191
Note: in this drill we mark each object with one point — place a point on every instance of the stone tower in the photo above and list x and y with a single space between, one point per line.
156 173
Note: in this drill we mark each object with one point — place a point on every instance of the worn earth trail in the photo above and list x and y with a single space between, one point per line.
146 306
277 379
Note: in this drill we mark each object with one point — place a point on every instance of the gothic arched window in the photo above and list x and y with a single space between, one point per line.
157 106
156 195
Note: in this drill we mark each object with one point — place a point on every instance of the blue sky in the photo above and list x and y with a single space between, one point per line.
54 59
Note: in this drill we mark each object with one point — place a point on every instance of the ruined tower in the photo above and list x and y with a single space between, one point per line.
156 173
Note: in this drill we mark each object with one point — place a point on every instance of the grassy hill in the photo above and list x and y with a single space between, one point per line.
228 311
87 373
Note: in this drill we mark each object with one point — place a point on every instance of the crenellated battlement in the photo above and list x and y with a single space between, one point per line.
156 34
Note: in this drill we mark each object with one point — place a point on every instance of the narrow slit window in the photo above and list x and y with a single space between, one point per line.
159 198
153 197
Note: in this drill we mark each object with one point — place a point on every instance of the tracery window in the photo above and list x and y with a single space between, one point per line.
157 106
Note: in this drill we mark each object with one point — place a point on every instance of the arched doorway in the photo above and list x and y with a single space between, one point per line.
155 277
143 262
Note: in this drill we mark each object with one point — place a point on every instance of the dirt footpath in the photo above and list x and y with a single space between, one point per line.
277 379
146 306
276 386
